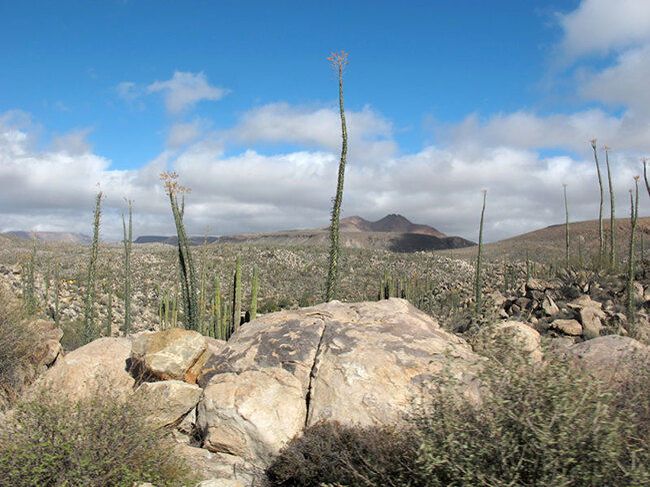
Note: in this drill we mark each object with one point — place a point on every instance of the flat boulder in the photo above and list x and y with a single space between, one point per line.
361 363
567 327
100 364
168 402
167 355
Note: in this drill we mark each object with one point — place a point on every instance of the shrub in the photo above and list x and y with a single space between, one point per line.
16 344
330 453
50 441
540 425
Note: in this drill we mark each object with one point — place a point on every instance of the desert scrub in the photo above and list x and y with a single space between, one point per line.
550 425
100 441
16 344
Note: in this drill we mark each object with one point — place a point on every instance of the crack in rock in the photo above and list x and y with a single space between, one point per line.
312 374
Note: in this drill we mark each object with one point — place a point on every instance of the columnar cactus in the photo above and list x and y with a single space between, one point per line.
90 329
634 214
339 61
612 214
127 242
478 282
255 287
567 258
601 234
236 296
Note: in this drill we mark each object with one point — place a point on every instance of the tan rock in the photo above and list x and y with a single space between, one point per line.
98 365
168 402
568 327
515 334
208 465
549 306
361 363
168 354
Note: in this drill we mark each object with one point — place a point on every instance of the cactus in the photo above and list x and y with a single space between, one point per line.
109 311
601 235
567 257
634 214
478 284
612 214
236 296
29 281
90 329
255 287
187 270
127 242
57 291
339 61
216 311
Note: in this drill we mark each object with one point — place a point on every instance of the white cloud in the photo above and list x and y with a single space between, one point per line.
54 189
369 134
183 133
74 142
625 83
599 26
185 89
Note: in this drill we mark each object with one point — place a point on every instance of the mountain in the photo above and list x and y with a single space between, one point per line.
392 232
390 223
64 237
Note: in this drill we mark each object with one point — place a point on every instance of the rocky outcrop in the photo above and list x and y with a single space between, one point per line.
358 363
168 402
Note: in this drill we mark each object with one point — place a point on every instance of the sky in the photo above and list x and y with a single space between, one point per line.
443 99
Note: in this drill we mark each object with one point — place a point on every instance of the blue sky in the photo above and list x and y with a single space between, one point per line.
117 90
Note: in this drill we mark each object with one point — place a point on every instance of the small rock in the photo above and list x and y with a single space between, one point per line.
168 402
511 333
568 327
549 306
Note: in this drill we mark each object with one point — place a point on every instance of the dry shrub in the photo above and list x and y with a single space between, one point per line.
550 425
16 345
99 441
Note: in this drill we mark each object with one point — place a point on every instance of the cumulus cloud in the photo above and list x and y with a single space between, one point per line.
369 133
249 191
183 133
599 26
74 142
184 90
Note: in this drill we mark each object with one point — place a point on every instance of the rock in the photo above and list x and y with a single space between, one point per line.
360 363
549 307
168 354
220 483
591 324
610 355
212 466
496 298
511 334
537 285
168 402
101 364
584 301
568 327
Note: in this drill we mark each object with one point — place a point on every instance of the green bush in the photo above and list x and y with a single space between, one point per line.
101 441
550 425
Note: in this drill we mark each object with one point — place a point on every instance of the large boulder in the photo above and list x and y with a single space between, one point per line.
100 364
608 356
362 363
170 354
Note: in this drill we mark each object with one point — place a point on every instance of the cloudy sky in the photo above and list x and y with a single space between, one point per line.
444 99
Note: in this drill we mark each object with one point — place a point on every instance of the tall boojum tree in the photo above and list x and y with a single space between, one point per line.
339 61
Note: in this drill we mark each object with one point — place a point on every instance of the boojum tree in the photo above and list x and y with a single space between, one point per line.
186 265
601 233
339 60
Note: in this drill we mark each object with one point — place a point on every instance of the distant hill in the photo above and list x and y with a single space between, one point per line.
548 243
147 239
393 232
64 237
